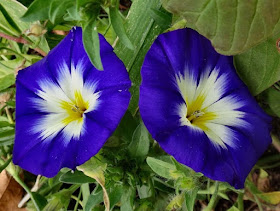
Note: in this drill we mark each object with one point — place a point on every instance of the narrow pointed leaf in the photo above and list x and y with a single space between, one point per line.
139 146
162 18
91 44
38 10
9 19
3 166
58 9
143 29
190 197
39 200
76 177
118 26
160 167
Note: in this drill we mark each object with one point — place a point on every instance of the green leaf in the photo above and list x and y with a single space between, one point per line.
7 72
162 18
160 167
93 200
176 203
184 169
127 199
190 197
126 128
81 3
139 146
15 11
72 14
145 190
272 97
259 67
90 10
9 17
11 103
7 136
118 26
271 197
232 26
85 193
38 10
61 199
4 122
233 208
6 132
115 195
91 43
6 80
162 185
94 168
142 30
7 140
58 9
77 177
39 200
3 166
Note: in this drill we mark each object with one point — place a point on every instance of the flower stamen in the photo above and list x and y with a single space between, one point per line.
195 114
75 108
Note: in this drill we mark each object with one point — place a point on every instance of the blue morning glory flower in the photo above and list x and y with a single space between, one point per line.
66 108
199 111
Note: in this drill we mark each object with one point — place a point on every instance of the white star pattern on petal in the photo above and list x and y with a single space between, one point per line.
65 102
205 107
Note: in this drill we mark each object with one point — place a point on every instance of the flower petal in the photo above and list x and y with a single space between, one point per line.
65 108
196 107
113 103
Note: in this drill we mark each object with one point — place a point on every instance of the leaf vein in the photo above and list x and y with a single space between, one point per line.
248 35
234 28
201 11
265 70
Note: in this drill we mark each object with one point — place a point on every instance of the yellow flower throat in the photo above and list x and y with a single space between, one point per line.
75 108
197 115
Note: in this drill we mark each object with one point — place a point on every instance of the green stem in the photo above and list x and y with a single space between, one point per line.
258 203
23 41
240 201
73 188
213 198
19 181
7 162
78 200
107 29
208 188
11 121
275 165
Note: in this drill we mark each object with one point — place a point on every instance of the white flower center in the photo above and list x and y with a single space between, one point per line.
65 103
206 109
